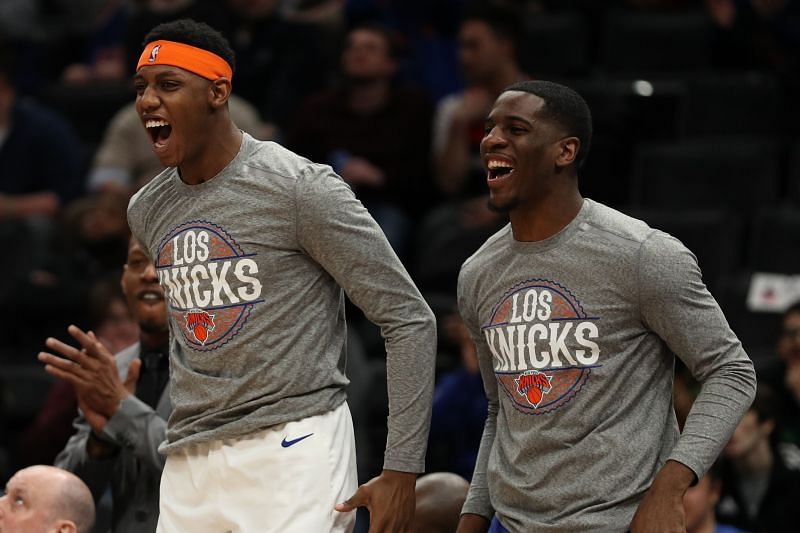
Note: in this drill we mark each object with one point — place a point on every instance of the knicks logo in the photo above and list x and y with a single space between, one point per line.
154 53
543 345
210 283
200 324
533 385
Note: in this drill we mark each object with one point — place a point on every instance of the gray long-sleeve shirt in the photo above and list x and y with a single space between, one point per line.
253 263
576 339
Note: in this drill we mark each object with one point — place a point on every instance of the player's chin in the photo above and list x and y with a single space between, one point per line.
500 204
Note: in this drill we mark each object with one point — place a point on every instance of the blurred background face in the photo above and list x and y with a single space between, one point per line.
119 328
699 502
367 56
480 51
747 435
145 295
789 343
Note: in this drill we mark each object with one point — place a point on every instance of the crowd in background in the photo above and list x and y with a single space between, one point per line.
697 131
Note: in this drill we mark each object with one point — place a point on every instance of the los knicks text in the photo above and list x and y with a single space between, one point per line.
194 281
526 342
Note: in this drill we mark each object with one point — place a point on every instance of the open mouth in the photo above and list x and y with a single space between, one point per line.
159 131
498 169
151 296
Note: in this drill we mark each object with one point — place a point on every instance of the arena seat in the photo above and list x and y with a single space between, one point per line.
736 173
655 43
747 103
554 44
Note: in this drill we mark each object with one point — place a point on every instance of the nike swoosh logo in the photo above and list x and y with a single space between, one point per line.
286 443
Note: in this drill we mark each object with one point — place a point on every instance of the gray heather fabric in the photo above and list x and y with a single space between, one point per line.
576 336
253 263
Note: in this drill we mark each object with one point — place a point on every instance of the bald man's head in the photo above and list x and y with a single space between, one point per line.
440 497
45 499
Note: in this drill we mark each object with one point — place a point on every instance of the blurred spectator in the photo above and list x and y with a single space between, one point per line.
757 33
429 28
487 53
105 56
440 496
459 408
783 376
117 444
699 503
33 186
278 62
375 135
112 321
125 160
452 232
760 493
110 316
44 498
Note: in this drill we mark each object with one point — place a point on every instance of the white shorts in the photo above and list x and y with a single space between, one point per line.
283 479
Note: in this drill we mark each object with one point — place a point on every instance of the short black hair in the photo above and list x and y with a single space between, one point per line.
565 107
504 20
193 33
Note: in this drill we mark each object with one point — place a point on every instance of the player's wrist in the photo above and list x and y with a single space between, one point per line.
397 475
673 479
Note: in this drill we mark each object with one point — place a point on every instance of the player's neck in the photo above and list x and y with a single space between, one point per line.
539 220
220 147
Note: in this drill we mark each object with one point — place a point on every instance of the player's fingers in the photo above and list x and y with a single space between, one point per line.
359 499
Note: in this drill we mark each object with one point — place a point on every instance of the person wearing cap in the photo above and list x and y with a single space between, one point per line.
255 247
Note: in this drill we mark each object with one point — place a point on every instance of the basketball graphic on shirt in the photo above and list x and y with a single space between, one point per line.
210 283
543 345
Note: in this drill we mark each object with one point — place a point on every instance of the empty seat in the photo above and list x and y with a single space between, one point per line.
775 241
655 43
735 173
554 44
732 104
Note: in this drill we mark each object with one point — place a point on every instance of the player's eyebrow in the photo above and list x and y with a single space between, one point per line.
520 118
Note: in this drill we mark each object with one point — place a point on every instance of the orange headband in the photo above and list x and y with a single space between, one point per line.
196 60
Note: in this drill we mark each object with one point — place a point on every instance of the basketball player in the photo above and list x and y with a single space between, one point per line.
577 311
254 246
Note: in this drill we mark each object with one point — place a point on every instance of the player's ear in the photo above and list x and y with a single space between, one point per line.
219 91
567 151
